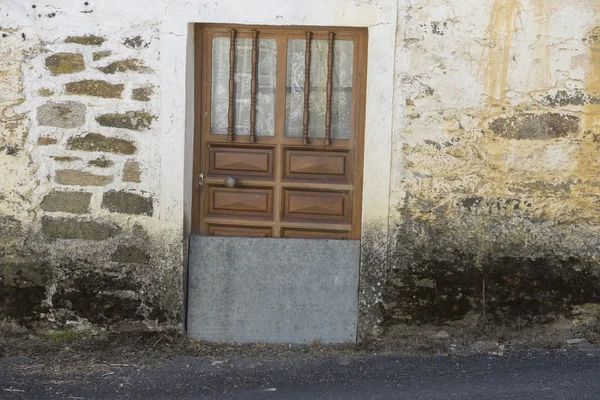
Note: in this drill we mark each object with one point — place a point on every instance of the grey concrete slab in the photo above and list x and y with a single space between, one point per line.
273 290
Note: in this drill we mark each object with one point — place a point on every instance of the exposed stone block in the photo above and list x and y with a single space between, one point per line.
130 254
9 227
127 203
97 142
143 93
65 158
68 114
70 202
95 88
62 228
130 64
131 171
81 178
101 163
545 126
99 55
88 40
98 308
44 92
135 42
46 141
65 63
132 120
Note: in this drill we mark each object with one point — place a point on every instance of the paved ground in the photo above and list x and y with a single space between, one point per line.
565 374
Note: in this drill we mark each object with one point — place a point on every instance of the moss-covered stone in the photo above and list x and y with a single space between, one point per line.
523 126
143 93
65 63
131 171
132 120
95 88
101 163
99 55
81 178
135 42
62 228
87 40
65 158
46 141
130 64
10 227
44 92
97 142
97 307
130 254
127 203
67 114
70 202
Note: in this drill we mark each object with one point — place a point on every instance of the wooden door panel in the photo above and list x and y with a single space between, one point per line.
292 233
294 186
245 162
240 202
313 205
237 231
322 166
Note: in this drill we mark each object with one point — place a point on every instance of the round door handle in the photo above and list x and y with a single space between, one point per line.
230 182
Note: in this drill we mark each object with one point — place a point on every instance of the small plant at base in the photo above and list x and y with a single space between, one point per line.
62 336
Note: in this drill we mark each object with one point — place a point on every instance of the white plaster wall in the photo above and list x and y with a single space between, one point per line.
438 72
165 151
115 19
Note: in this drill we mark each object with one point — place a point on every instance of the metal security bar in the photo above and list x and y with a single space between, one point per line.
306 88
329 90
230 132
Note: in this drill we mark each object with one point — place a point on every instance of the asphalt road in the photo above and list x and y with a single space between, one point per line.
572 374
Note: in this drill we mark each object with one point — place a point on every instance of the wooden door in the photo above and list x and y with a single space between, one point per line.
279 131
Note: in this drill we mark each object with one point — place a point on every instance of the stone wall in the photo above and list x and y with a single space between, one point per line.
495 180
80 240
494 175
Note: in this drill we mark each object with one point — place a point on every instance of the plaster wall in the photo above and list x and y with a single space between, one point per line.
81 64
481 156
493 214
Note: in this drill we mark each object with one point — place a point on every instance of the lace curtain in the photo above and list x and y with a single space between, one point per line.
266 73
341 102
265 93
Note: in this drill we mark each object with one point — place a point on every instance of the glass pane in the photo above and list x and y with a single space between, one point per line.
219 107
265 97
294 91
341 102
265 93
342 88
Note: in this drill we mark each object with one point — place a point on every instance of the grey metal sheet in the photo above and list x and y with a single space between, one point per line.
273 290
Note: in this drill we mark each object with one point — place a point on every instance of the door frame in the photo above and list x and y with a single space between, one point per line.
202 83
383 128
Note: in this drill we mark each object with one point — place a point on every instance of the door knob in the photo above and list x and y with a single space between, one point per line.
230 182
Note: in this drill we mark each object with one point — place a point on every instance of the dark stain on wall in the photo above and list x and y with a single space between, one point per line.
443 270
529 126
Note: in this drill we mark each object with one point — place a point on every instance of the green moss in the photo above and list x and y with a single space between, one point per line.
101 163
95 88
97 142
130 64
142 93
65 63
132 120
63 336
99 55
88 40
65 158
45 92
62 228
